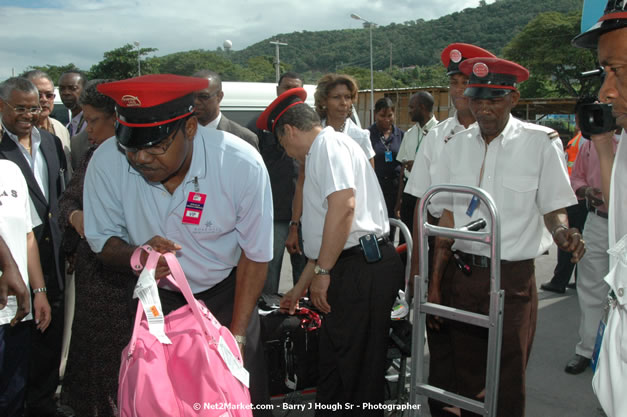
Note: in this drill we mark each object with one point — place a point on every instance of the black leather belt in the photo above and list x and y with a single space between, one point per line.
598 212
356 250
477 260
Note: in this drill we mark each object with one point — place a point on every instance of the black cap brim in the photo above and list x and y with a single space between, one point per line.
590 38
486 92
144 137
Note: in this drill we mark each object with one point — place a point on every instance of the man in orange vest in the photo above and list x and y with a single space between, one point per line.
577 213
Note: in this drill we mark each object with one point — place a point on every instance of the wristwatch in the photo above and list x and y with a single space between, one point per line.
318 270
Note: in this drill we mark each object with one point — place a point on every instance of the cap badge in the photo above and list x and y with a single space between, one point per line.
131 101
455 56
480 69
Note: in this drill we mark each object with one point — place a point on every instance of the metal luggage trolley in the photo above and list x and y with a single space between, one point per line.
402 394
493 322
408 241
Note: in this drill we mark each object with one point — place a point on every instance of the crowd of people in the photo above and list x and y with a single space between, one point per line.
77 200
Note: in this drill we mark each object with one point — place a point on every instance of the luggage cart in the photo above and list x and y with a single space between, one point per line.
402 394
408 241
493 322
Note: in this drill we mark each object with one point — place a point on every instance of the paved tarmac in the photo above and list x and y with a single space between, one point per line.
550 391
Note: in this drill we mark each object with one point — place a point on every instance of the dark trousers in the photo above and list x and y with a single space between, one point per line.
43 378
14 359
470 343
389 187
354 335
577 215
219 300
441 357
407 211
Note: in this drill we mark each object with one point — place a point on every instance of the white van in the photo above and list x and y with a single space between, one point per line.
243 102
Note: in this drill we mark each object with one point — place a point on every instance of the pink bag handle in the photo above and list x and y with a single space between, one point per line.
177 278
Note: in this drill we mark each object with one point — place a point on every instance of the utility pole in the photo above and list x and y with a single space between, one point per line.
277 61
369 25
139 65
390 57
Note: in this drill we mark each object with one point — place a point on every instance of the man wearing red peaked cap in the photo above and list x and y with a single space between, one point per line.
522 167
609 37
421 178
454 54
202 193
353 273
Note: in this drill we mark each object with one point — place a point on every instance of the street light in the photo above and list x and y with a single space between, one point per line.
369 25
139 68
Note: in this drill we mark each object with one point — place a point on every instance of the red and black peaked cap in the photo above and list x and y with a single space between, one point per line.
149 107
492 77
276 109
456 53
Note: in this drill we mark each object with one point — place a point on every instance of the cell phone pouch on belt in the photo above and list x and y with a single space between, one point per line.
185 364
370 248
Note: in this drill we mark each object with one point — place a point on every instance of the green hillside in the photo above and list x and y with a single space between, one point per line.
416 42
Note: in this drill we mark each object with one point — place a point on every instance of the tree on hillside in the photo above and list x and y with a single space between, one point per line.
262 69
121 63
382 79
187 63
54 71
543 47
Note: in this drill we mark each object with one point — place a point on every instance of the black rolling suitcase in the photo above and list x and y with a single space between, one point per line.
291 346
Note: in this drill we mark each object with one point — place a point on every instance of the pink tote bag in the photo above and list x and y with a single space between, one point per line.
188 378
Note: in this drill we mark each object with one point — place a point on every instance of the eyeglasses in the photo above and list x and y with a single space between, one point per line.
205 96
19 110
47 96
156 150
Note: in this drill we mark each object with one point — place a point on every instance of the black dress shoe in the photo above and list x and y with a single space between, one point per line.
552 288
577 365
572 285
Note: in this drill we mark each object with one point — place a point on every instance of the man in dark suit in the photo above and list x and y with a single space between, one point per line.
79 144
42 162
207 109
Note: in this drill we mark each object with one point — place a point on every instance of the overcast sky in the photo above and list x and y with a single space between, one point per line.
41 32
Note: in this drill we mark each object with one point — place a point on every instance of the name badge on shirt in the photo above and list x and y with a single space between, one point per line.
388 156
193 208
474 203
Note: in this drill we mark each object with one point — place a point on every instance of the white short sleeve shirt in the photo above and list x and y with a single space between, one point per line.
523 171
237 213
412 141
423 173
334 163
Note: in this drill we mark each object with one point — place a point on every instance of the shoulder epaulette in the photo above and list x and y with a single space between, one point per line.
553 135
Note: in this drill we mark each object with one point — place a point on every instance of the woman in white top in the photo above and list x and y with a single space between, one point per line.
334 98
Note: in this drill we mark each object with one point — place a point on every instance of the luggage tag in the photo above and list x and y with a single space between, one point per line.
146 290
194 207
236 368
474 203
388 156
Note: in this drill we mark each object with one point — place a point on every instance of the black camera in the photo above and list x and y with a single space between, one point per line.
596 118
